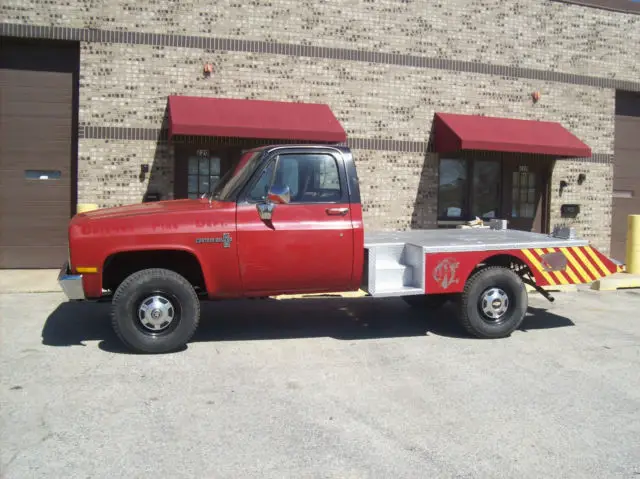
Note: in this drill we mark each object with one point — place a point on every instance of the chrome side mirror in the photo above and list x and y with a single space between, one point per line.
265 210
279 195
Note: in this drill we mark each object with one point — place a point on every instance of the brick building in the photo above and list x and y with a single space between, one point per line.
86 112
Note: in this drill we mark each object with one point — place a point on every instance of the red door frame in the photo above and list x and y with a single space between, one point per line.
304 248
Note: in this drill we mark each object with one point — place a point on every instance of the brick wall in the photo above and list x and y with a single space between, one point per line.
109 171
594 196
384 67
128 86
532 33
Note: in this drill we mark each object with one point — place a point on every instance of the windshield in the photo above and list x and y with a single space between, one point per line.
236 177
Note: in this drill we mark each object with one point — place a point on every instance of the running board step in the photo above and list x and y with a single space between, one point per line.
392 275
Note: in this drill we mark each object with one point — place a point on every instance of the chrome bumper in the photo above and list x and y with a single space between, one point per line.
71 284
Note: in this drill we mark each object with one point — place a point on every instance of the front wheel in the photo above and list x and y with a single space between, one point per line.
494 303
155 311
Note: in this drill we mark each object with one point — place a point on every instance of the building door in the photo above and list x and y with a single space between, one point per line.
525 197
38 150
626 170
199 167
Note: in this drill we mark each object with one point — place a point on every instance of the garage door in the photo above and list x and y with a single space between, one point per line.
626 173
38 146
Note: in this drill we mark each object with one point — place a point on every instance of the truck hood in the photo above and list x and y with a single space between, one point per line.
172 206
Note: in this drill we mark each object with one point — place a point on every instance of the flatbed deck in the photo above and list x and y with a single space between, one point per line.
396 261
471 239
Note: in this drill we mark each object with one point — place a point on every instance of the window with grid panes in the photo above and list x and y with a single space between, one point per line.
523 194
203 173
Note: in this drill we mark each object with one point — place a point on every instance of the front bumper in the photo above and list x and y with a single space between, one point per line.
71 284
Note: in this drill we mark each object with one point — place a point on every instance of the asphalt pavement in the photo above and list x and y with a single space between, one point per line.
344 388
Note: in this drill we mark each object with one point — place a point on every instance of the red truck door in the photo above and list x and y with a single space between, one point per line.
308 243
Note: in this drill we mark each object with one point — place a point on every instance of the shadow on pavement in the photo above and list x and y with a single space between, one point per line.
539 318
72 324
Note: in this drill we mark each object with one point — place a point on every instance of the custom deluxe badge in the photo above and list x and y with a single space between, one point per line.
225 240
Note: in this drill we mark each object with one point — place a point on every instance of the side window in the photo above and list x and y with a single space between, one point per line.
311 178
260 189
289 173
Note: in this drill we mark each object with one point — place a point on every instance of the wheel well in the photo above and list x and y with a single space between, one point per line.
505 261
120 265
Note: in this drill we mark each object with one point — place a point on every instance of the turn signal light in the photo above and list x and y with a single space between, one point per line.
87 269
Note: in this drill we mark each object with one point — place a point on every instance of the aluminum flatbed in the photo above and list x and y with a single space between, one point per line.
440 261
472 239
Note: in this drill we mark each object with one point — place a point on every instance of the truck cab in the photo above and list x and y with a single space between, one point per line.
280 214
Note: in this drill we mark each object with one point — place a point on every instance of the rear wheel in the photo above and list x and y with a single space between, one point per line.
155 311
493 303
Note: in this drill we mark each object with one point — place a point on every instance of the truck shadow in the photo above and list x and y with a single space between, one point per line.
73 324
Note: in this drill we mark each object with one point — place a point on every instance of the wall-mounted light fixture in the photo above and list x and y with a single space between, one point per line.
207 69
581 178
563 185
535 96
144 169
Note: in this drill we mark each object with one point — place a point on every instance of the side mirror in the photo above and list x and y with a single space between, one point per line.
265 210
279 195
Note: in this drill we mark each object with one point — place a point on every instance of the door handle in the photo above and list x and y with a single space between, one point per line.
337 211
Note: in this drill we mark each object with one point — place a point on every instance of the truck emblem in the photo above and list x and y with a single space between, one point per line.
225 240
445 272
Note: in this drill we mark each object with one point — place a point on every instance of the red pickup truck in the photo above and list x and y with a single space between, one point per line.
288 220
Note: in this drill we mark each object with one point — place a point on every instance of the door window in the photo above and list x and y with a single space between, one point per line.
486 189
311 178
288 173
261 187
523 194
203 173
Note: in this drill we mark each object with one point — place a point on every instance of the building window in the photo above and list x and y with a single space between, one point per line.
452 189
491 185
203 173
469 188
523 191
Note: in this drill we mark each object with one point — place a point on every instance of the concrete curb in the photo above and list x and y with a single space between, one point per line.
29 281
617 281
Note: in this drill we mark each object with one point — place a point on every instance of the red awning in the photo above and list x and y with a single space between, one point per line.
274 120
453 132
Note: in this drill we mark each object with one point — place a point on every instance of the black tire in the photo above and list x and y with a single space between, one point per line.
427 301
485 285
182 311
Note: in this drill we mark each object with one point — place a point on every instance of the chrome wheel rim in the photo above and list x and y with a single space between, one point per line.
156 313
494 304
